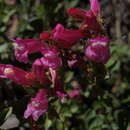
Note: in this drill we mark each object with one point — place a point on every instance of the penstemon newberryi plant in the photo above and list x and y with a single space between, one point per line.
85 49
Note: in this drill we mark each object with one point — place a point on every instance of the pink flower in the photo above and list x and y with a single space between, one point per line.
66 38
50 62
91 23
39 70
89 17
44 35
59 90
77 13
74 60
95 7
23 47
37 105
98 50
51 58
72 63
74 93
18 75
83 14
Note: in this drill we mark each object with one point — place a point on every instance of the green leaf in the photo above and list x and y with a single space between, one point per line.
71 4
29 27
68 76
114 126
8 15
111 62
128 127
40 11
74 108
10 110
3 47
4 114
59 125
95 123
48 124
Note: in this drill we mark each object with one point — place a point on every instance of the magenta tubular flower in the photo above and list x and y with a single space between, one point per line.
98 50
89 17
37 105
72 63
39 70
44 35
77 13
59 90
95 7
74 60
74 93
23 47
66 38
50 62
51 58
18 75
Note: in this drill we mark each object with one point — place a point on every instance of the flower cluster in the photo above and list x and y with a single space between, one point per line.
54 47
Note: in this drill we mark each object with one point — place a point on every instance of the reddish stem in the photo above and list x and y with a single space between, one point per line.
34 125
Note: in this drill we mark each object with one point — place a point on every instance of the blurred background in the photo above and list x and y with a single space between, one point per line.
26 19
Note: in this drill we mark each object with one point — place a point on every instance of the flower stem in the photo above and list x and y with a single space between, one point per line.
34 125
